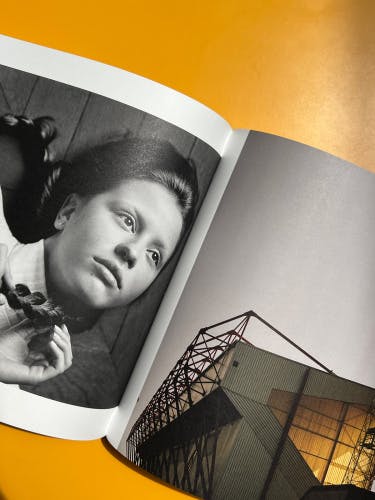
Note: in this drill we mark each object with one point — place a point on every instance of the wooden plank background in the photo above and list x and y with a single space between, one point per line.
84 119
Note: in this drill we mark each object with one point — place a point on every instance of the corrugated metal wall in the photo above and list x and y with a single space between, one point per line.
294 471
292 477
292 425
260 418
249 384
245 473
258 372
324 385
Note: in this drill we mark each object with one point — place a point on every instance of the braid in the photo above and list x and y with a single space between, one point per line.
34 138
56 186
49 186
34 135
42 313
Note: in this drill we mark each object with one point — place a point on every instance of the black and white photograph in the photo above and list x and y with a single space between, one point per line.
97 200
264 386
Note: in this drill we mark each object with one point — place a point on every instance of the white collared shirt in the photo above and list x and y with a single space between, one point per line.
26 263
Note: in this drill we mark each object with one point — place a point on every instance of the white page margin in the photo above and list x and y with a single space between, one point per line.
117 84
52 418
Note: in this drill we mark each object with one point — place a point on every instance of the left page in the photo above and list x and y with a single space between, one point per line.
84 123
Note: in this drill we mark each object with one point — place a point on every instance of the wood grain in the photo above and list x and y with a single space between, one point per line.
17 88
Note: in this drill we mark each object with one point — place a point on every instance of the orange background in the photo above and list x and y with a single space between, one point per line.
303 69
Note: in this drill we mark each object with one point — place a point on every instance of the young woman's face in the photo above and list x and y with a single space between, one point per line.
110 247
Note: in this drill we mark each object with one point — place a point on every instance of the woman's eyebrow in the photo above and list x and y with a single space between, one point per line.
142 223
160 244
127 207
138 216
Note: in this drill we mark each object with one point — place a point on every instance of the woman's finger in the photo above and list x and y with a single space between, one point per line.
62 339
65 346
41 362
58 362
62 333
64 356
36 356
64 328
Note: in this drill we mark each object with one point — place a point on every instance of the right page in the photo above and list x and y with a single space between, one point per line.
263 385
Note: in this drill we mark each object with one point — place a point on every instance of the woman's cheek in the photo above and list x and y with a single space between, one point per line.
147 279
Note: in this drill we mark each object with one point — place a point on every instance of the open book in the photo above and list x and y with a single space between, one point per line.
237 362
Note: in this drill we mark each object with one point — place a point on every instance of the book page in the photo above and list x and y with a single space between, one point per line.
165 313
109 121
267 363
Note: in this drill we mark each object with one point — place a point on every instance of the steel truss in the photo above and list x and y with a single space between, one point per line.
174 443
361 468
176 436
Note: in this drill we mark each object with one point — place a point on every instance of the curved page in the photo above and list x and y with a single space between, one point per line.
108 242
263 386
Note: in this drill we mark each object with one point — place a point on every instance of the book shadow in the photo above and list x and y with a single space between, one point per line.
130 465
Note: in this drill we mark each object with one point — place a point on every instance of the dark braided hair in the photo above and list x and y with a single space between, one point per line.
42 313
33 138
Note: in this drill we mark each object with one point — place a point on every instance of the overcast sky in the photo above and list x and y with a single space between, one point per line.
294 240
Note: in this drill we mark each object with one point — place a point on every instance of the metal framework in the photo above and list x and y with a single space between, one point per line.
177 434
186 440
361 469
195 375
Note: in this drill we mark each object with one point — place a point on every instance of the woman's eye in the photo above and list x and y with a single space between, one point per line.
129 222
155 257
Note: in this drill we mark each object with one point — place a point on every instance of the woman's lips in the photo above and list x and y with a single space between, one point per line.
109 272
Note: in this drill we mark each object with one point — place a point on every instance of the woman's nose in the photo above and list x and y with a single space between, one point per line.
127 253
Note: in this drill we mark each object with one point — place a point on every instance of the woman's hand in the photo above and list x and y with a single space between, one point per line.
19 364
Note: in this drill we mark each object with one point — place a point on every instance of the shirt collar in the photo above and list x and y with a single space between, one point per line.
27 266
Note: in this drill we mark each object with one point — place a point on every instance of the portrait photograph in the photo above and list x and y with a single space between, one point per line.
98 198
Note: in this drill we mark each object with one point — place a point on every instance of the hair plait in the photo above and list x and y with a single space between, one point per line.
42 312
34 137
49 187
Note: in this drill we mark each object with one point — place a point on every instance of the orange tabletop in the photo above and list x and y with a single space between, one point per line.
303 69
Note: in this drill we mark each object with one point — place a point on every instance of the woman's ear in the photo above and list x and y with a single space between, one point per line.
68 208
